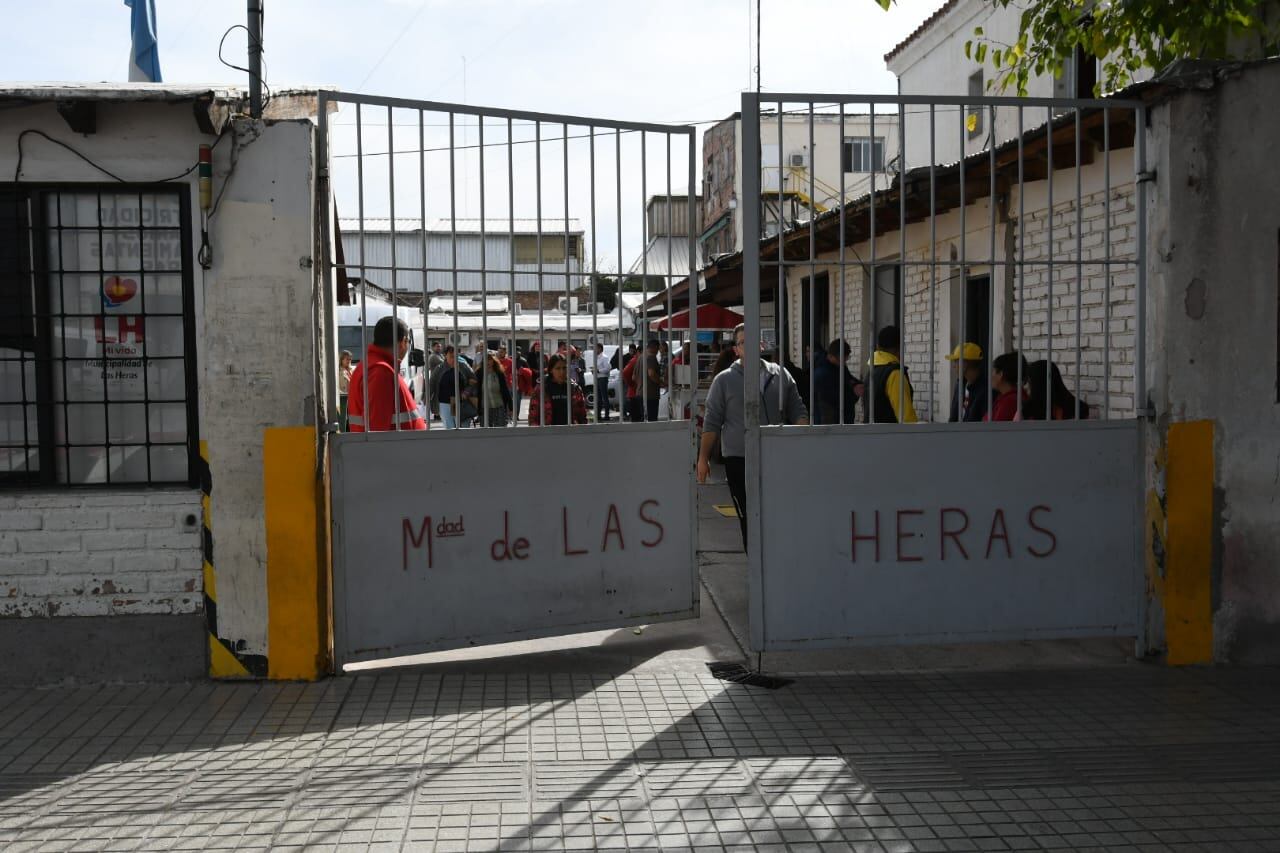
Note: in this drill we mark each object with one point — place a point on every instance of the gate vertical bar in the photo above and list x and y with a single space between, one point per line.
807 365
873 282
395 293
963 283
568 280
1106 253
422 232
844 334
1079 264
1048 331
991 275
364 286
933 260
511 265
542 375
456 407
484 286
1022 262
595 312
623 403
644 275
750 208
691 156
902 253
669 378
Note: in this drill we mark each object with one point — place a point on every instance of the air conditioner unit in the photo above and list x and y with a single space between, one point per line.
567 304
459 339
596 308
798 159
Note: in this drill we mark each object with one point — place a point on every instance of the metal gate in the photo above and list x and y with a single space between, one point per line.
974 226
485 229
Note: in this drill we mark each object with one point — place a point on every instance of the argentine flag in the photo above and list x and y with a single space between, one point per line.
144 56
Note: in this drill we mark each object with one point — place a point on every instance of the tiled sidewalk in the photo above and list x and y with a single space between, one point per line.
1118 758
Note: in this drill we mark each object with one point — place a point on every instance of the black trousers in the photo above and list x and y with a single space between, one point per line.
735 471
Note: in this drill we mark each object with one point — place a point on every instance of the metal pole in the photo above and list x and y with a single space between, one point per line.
328 275
623 403
693 305
364 287
568 297
255 59
784 291
644 273
511 264
422 232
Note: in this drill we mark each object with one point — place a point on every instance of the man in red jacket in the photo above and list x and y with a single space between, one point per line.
391 403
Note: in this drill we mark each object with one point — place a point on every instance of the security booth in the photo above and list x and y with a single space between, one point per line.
446 538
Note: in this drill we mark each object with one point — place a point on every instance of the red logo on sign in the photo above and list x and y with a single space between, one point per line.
117 291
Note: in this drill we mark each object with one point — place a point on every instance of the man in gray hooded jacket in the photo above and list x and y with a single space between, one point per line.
724 419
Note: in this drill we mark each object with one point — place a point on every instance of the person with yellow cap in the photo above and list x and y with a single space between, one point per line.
969 392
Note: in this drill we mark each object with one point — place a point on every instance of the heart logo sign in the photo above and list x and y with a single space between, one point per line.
117 291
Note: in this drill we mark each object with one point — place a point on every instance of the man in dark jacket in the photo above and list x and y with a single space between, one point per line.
976 376
828 373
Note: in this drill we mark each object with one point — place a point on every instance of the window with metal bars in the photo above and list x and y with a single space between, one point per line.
97 349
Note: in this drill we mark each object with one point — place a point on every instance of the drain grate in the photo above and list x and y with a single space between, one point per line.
359 786
453 783
221 789
910 771
569 781
116 792
809 776
718 777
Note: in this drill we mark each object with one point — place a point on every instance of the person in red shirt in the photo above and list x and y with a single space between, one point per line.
630 381
558 401
391 403
1004 380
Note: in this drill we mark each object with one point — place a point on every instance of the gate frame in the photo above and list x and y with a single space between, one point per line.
326 303
751 207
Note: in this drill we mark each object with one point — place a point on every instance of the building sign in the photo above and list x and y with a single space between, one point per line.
432 551
948 533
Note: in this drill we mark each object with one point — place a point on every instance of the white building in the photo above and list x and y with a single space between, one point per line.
801 170
500 259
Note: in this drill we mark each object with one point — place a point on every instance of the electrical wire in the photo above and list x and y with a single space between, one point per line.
17 172
266 89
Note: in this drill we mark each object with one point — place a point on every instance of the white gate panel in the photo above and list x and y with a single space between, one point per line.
944 533
451 539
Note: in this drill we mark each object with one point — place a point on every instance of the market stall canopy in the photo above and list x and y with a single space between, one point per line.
710 317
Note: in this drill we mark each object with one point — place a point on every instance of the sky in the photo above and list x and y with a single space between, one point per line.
668 61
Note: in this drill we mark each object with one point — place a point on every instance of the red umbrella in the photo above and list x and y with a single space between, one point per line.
711 317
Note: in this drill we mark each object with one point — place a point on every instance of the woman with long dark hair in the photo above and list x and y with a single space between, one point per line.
558 400
1044 384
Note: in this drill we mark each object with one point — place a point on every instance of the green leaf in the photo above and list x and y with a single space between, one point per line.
977 31
968 48
980 55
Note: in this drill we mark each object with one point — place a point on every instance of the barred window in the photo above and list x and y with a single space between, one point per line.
97 351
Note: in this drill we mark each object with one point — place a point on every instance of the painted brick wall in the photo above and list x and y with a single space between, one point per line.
88 553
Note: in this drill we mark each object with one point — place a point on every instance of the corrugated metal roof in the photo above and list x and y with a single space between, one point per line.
654 260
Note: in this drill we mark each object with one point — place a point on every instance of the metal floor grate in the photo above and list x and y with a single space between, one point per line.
567 781
445 783
816 776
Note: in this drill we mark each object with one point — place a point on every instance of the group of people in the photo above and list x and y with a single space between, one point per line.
1017 390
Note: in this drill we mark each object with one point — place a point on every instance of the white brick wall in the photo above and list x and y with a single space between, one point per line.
90 553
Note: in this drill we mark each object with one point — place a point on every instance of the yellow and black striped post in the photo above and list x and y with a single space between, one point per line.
224 660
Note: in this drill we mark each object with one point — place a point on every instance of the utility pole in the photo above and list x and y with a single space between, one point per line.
255 58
